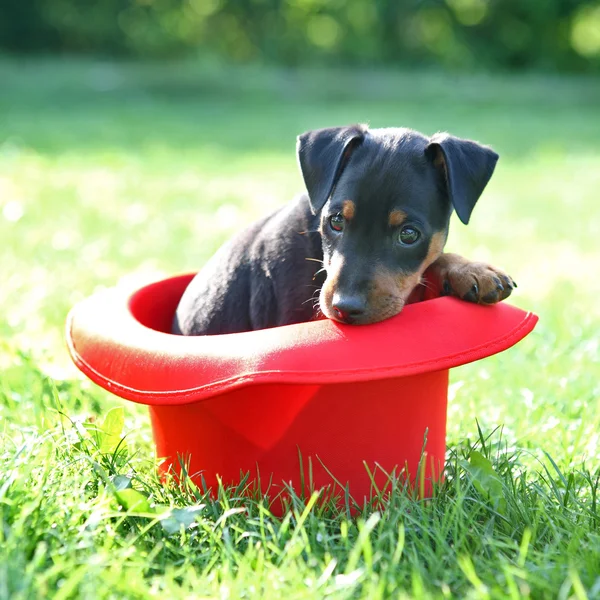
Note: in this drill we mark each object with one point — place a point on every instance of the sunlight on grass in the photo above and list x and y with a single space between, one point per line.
147 178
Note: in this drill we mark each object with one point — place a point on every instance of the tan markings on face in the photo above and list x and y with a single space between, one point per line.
389 293
397 217
389 290
436 247
329 287
348 209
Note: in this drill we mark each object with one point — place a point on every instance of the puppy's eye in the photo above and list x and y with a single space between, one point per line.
408 235
337 222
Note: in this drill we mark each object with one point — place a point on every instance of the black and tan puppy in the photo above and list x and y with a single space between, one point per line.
374 222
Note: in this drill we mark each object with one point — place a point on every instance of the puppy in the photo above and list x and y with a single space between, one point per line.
356 248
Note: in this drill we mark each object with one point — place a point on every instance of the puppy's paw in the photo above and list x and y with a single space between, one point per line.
476 282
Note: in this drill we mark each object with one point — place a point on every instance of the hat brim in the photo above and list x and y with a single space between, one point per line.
120 340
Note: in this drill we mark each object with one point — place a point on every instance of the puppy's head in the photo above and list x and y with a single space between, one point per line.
384 197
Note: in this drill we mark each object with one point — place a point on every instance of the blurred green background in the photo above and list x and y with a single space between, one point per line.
508 34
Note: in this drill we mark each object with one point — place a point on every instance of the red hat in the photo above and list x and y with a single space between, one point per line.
338 396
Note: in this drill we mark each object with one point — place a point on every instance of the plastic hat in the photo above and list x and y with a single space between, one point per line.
341 397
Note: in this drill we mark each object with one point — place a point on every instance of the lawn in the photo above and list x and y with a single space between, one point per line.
111 172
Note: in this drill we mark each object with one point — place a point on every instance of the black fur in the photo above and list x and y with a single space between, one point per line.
259 279
322 154
469 168
270 274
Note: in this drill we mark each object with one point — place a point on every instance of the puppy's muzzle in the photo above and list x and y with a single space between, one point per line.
348 308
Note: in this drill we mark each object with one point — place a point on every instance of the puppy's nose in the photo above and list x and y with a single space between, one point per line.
348 308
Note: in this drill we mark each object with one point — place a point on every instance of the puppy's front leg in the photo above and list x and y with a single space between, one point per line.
453 275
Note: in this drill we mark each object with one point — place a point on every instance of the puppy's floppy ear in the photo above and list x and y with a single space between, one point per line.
322 155
467 166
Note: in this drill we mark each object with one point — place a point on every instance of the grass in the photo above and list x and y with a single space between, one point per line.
131 171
